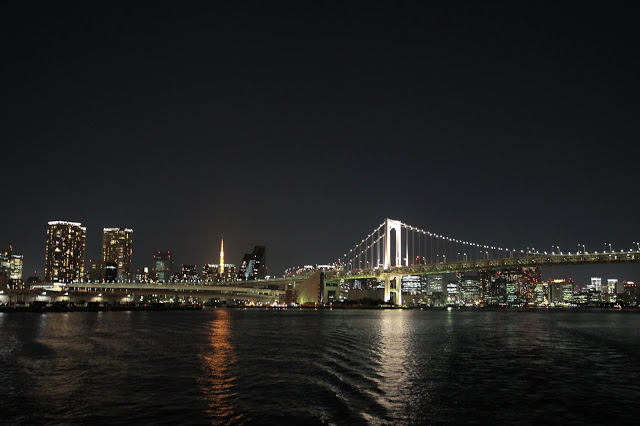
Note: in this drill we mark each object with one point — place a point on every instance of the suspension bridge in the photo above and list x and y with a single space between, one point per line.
395 249
390 252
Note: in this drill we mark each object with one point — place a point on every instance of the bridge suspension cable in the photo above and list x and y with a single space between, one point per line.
420 247
409 245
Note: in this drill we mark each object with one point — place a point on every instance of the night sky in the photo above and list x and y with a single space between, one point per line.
302 125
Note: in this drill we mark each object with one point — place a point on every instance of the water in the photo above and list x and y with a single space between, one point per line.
226 366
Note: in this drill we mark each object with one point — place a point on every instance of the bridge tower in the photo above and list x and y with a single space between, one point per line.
392 225
392 285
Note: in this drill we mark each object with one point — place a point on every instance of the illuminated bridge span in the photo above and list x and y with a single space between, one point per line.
395 249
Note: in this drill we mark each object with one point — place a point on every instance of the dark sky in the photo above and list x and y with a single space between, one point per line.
302 125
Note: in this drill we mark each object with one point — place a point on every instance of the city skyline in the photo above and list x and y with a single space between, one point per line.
121 242
298 128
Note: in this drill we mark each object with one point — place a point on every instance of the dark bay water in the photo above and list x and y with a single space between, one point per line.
225 366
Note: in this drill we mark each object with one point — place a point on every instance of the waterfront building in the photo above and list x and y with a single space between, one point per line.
414 284
436 283
12 263
492 291
453 291
519 284
117 247
596 284
556 291
561 291
468 288
253 265
612 285
541 293
163 266
64 251
630 295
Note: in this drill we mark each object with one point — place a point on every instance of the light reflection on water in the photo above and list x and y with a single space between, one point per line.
394 359
227 366
217 381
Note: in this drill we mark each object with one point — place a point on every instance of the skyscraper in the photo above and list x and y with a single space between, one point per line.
163 266
64 251
12 263
117 247
253 265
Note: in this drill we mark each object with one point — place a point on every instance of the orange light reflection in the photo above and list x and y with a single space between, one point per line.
216 384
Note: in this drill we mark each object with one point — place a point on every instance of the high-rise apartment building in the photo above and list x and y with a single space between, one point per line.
213 273
64 251
117 247
12 263
163 263
189 273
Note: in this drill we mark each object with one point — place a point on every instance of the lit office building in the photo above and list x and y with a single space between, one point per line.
561 291
612 285
253 265
12 263
453 293
630 293
436 284
64 251
414 284
117 247
492 291
468 287
519 284
541 293
596 284
163 266
4 258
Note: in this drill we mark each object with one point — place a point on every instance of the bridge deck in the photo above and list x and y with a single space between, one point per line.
503 263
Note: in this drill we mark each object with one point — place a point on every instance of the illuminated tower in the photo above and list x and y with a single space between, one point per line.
64 252
117 247
222 257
